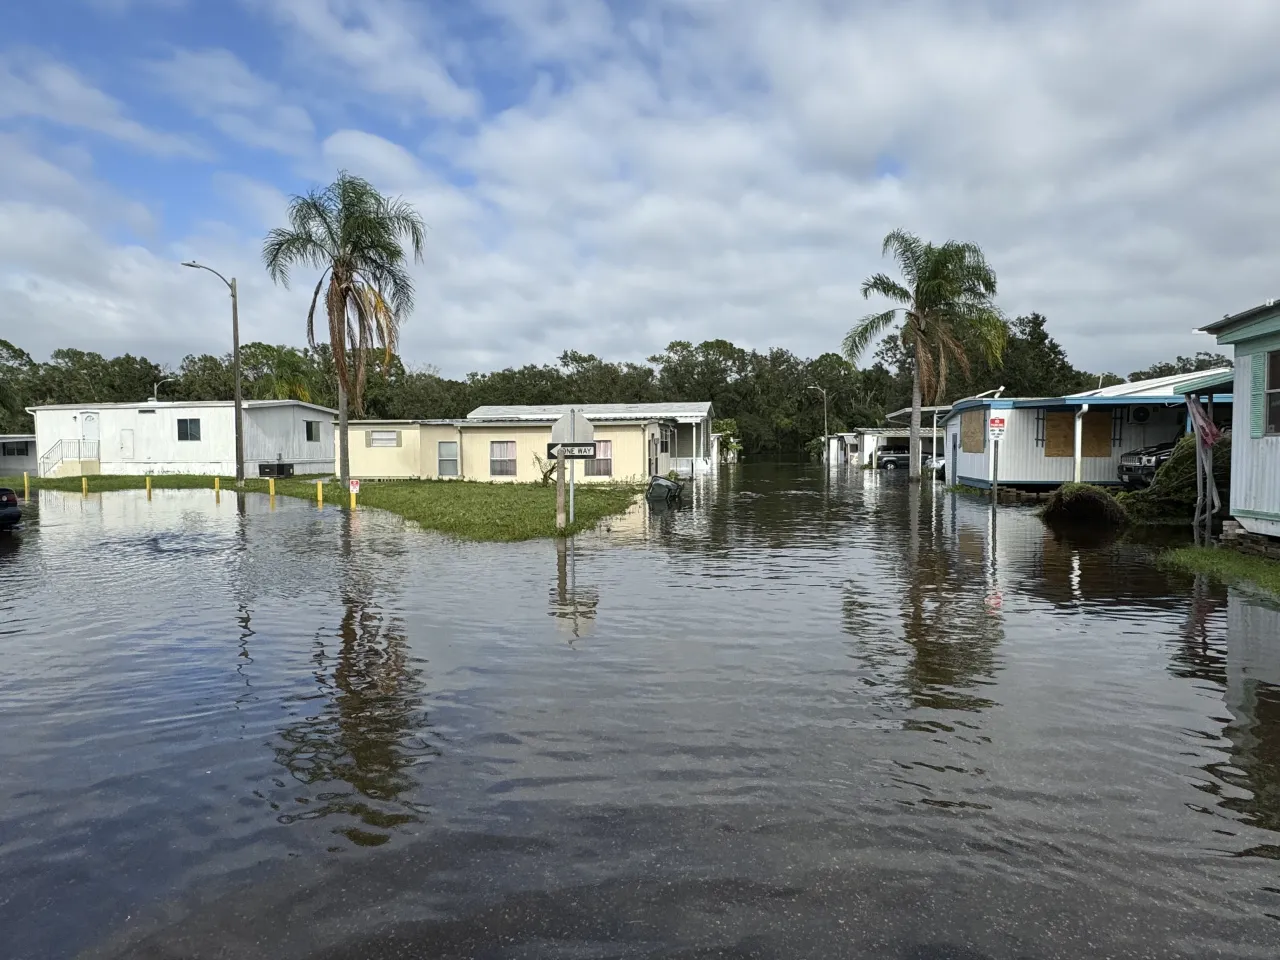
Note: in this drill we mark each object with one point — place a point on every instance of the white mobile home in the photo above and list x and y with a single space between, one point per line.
175 437
1055 440
17 454
1255 421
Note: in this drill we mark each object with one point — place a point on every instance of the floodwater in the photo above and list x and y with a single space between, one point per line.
802 716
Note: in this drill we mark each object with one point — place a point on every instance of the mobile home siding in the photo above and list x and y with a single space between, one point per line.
1022 456
384 463
16 465
1255 491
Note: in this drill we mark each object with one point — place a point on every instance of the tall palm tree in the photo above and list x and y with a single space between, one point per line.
354 236
947 296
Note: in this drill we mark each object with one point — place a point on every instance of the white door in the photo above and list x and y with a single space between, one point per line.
126 444
89 436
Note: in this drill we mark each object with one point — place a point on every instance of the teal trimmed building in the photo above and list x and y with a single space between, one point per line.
1255 426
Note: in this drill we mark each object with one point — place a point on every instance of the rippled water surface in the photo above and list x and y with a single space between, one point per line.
802 716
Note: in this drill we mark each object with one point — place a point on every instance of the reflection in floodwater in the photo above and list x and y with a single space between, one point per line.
573 605
826 714
366 728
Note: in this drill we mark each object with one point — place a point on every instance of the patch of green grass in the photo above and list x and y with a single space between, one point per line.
965 488
460 508
1225 565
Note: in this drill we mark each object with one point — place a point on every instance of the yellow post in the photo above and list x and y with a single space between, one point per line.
84 486
319 493
353 499
148 486
271 486
217 484
26 485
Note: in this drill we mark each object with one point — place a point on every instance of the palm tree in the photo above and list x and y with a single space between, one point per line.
946 296
353 235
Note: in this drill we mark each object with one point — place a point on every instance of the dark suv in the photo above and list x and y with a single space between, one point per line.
1138 467
893 458
10 515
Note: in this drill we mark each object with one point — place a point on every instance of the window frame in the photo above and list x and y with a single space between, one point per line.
384 439
1270 394
186 422
503 472
307 426
600 466
8 448
441 460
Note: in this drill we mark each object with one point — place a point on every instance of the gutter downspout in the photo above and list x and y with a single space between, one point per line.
1079 462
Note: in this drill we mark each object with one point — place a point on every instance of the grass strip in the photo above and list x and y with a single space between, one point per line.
465 509
1225 565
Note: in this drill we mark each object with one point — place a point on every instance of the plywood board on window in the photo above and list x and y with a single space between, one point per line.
973 430
1060 434
1096 441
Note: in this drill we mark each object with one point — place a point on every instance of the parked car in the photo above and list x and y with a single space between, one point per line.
10 513
1138 467
893 458
937 466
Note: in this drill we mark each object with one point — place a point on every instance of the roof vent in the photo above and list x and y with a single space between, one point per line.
1271 301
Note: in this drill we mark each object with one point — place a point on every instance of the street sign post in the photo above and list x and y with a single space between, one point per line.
571 451
995 428
570 430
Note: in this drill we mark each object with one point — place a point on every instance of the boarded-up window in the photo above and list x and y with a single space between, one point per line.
973 431
1060 434
1096 441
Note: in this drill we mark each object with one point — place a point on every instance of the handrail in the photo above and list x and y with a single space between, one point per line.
67 450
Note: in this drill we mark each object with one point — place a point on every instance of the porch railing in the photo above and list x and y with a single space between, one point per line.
67 450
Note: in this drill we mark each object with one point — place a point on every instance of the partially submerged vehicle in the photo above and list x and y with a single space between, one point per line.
10 512
664 489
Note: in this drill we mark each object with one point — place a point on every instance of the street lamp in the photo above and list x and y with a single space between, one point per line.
155 388
825 434
235 363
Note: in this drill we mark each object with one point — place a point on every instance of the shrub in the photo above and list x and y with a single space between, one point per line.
1086 504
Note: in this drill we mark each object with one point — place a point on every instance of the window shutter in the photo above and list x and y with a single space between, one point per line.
1258 395
399 438
368 438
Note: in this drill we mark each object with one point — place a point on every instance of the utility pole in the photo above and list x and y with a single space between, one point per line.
235 364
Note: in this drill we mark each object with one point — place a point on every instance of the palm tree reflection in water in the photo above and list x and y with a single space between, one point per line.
371 731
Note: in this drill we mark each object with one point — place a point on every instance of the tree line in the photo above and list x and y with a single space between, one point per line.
766 393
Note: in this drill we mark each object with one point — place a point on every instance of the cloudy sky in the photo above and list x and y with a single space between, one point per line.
612 176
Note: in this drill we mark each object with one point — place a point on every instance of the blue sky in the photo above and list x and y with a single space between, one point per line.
608 177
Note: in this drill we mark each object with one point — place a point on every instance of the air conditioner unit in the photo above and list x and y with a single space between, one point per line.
1139 414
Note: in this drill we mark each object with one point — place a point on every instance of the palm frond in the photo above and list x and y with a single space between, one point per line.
886 287
864 331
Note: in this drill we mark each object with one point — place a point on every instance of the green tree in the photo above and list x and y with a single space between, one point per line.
355 237
947 299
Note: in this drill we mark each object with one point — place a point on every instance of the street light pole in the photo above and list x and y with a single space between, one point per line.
826 443
235 364
155 388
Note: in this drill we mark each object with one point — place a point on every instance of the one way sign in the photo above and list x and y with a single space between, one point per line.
571 451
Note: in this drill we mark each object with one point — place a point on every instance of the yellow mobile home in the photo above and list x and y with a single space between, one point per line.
509 444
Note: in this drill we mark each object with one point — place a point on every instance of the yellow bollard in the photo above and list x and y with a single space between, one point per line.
217 484
353 499
84 486
26 485
319 493
148 486
271 486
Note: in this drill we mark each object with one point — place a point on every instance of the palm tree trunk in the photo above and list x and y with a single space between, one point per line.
344 453
914 466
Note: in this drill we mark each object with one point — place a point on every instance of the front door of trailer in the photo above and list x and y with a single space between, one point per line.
89 435
952 464
126 444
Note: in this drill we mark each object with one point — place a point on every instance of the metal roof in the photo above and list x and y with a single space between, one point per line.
1157 387
156 405
1231 319
680 412
1211 381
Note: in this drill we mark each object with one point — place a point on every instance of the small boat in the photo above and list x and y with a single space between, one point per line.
660 488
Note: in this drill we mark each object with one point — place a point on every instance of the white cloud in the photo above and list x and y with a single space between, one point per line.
714 170
380 45
215 84
34 86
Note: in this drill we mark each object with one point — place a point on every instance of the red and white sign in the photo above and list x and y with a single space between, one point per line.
995 428
354 485
997 423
